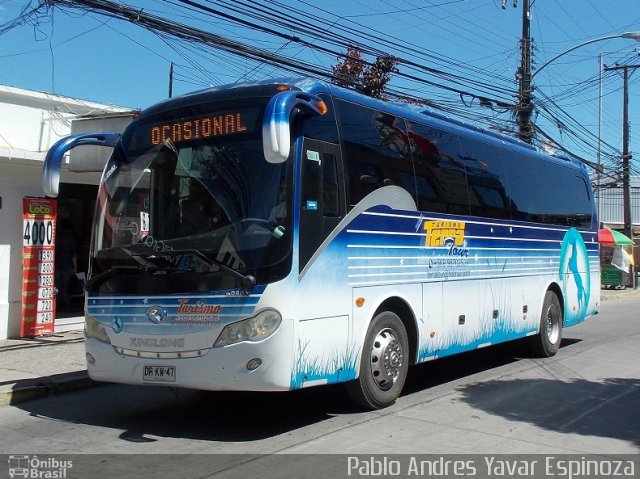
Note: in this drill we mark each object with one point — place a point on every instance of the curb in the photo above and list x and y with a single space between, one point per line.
619 295
43 387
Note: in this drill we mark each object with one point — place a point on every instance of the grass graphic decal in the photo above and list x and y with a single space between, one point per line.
335 367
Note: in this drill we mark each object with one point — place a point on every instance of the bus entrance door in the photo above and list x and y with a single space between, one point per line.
320 210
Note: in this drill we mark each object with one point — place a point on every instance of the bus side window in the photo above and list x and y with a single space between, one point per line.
440 174
325 171
486 177
330 193
322 127
524 187
376 149
567 200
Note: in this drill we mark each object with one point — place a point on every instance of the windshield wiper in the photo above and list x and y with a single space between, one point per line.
248 281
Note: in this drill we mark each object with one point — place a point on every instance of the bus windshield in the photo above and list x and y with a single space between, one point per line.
189 192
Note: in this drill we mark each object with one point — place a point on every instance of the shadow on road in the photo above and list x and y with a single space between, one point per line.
145 412
605 409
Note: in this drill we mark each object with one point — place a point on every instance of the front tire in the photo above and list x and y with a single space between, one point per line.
384 363
546 343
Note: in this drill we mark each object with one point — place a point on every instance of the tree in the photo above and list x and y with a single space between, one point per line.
370 79
349 72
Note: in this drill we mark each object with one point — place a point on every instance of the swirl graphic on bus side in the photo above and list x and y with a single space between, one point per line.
575 276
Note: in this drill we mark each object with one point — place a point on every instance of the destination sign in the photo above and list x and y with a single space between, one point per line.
205 126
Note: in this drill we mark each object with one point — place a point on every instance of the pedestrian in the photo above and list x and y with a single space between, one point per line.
66 264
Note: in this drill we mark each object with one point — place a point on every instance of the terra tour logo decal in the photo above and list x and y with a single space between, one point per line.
450 258
444 233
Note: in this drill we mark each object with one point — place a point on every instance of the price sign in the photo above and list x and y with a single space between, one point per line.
37 232
38 266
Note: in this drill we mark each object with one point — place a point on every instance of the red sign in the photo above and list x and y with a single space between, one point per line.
38 253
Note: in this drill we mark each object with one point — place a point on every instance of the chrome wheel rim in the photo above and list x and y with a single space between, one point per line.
387 359
553 325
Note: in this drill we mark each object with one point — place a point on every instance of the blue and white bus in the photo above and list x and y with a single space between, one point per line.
280 235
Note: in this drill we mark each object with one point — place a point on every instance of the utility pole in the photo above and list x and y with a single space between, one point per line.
525 108
171 80
626 156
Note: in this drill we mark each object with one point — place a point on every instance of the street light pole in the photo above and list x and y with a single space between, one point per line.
599 157
626 156
525 94
630 35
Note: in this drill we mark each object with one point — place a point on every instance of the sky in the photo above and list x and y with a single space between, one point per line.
74 52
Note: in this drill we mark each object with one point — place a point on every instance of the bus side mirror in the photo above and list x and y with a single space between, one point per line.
55 156
276 123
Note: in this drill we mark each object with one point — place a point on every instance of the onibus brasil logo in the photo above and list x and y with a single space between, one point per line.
38 468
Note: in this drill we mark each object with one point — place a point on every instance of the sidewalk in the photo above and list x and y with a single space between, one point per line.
34 368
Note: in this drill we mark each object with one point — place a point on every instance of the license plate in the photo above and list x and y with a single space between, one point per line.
159 373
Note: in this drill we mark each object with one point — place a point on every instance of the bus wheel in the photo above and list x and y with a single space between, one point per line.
547 342
384 363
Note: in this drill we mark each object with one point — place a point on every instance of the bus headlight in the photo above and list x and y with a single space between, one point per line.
260 327
94 329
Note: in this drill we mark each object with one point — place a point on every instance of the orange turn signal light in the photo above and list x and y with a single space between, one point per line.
359 302
322 107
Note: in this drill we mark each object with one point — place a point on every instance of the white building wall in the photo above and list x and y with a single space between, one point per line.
43 127
30 122
5 262
18 179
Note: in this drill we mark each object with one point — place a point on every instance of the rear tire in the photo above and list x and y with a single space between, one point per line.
547 342
384 363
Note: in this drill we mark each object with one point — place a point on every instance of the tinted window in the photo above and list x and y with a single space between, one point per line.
322 127
547 192
486 178
567 198
321 195
524 187
376 150
441 182
330 195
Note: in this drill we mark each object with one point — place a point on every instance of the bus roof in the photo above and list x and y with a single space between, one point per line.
435 119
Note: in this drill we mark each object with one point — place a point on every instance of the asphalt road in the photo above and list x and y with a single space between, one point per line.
493 401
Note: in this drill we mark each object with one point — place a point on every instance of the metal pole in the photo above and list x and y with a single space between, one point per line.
626 156
630 35
599 166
